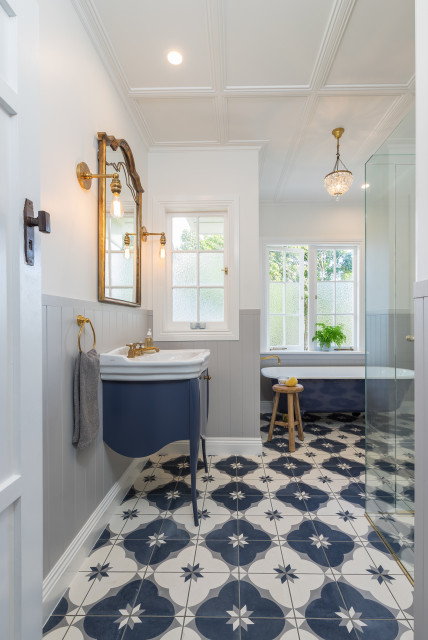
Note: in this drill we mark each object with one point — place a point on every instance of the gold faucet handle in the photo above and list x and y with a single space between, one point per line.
131 352
138 348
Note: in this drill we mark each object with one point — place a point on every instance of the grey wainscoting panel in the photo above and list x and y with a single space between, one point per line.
235 386
75 482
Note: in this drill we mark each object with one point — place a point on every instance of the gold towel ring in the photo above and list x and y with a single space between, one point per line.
81 321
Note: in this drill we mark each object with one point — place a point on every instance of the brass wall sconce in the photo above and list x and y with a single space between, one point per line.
84 176
127 243
145 234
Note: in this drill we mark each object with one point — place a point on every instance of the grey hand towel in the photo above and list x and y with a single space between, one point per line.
86 417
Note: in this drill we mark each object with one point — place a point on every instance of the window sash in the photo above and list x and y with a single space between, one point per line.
313 291
286 251
212 325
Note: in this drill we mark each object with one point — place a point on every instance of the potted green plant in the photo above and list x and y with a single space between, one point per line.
329 335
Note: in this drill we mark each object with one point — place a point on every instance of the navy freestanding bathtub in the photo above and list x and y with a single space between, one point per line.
342 388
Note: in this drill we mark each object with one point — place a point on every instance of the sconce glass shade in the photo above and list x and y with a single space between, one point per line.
116 207
162 252
127 253
338 182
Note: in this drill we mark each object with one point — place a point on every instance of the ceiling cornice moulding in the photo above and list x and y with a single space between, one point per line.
91 21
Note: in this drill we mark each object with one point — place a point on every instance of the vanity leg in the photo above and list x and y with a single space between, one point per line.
194 447
204 454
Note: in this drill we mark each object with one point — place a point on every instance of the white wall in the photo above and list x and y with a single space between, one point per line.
78 99
217 174
307 222
421 139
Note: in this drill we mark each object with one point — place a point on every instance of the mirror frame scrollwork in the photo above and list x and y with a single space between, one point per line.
105 141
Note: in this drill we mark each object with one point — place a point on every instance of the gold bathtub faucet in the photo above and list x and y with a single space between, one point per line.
272 356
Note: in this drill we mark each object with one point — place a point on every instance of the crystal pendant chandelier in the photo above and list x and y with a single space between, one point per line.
339 180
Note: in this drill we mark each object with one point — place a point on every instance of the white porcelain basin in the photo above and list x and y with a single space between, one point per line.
167 364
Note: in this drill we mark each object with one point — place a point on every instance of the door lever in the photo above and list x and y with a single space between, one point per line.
43 222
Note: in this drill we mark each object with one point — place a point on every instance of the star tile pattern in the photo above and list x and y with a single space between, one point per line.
282 550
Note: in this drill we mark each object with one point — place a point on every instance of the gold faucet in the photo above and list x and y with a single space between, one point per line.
137 349
131 351
272 356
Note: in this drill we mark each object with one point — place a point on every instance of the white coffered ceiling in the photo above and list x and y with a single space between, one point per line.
276 74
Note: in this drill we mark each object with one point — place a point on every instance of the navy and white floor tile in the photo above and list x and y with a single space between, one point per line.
283 551
391 479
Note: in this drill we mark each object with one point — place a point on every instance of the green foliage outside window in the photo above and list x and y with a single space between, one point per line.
212 242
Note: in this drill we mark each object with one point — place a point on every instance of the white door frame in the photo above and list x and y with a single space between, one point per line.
20 330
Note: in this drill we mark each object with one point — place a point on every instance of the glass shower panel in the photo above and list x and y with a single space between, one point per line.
390 260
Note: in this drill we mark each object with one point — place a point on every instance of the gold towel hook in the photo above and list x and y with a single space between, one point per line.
81 321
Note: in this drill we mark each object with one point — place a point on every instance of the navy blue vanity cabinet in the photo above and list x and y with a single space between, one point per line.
139 418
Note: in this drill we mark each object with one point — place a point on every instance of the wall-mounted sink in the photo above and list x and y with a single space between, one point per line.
167 364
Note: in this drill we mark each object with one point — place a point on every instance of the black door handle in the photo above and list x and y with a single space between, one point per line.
43 222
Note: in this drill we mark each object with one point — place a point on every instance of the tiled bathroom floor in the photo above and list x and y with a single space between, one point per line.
283 551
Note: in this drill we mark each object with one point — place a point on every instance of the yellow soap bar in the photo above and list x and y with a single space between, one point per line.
291 382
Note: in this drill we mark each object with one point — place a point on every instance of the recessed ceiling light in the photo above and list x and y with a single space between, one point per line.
175 57
365 186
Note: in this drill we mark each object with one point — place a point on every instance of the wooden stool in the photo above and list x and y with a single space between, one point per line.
293 410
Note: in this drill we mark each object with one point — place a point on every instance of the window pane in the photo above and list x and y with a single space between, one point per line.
184 305
210 269
184 234
292 262
211 305
292 297
344 264
121 294
276 331
292 330
276 297
325 264
183 269
276 266
347 322
122 271
325 301
211 233
344 297
326 319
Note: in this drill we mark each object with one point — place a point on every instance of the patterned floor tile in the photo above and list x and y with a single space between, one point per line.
282 550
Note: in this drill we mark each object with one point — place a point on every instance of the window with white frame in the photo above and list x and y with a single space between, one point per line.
198 297
286 319
306 285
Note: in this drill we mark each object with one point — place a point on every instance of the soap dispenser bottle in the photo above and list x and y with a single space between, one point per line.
148 342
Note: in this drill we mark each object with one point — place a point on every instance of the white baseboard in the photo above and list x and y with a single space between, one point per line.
266 406
61 575
218 446
234 446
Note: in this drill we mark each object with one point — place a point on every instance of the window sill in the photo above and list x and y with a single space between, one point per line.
312 353
196 335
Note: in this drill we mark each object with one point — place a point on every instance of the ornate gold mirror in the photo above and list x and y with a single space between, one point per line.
119 224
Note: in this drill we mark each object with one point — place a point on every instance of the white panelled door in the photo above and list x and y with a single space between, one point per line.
20 329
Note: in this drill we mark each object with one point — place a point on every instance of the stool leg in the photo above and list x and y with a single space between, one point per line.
291 442
272 422
299 418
